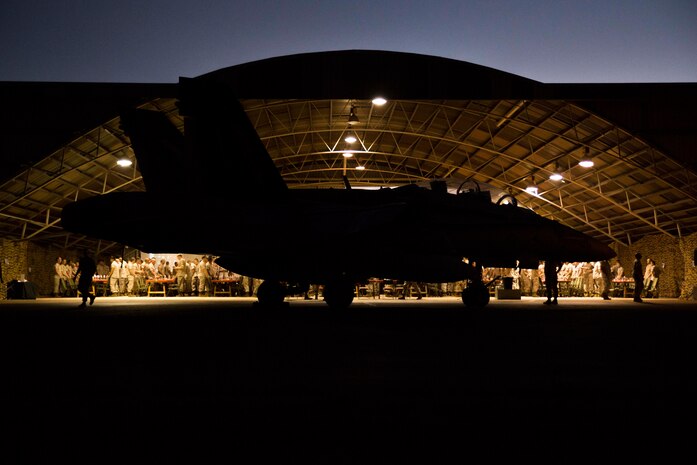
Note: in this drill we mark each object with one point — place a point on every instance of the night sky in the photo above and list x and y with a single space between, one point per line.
158 41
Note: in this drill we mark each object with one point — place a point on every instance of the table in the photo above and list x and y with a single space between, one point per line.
100 284
161 282
623 287
21 290
223 286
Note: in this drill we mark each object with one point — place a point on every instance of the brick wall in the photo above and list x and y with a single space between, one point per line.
679 277
13 256
688 244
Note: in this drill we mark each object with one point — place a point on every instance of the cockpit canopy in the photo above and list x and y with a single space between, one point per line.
471 187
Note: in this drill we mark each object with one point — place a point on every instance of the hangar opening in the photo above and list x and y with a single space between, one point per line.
441 119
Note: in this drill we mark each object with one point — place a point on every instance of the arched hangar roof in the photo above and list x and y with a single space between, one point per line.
443 118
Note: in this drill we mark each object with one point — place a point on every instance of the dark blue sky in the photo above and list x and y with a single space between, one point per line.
160 40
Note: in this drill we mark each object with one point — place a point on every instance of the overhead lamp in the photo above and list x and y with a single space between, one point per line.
124 162
532 188
360 167
347 154
379 101
353 119
586 161
350 139
556 174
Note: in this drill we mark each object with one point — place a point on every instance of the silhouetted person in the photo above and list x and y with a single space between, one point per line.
551 269
86 270
638 275
407 286
606 279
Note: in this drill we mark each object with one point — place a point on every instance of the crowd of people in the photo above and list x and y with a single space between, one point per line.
129 277
582 279
195 276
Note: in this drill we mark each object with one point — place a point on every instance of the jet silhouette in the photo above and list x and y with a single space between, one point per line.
215 190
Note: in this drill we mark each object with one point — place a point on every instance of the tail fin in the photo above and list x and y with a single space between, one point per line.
223 142
220 154
159 148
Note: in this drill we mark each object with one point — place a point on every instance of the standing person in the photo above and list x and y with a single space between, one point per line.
407 287
180 267
131 278
102 268
606 278
638 275
205 284
57 277
195 277
617 270
551 270
123 276
86 270
115 275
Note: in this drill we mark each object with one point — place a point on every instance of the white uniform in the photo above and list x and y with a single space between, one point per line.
114 276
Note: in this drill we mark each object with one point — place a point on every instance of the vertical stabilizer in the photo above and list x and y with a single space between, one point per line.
159 148
223 144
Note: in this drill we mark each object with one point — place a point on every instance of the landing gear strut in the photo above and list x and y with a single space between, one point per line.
476 295
271 294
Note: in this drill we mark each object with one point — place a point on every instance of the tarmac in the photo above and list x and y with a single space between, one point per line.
219 380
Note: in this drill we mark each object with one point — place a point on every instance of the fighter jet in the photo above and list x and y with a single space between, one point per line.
204 196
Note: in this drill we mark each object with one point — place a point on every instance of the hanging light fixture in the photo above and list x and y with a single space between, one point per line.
353 119
532 188
586 160
350 138
379 101
124 162
556 174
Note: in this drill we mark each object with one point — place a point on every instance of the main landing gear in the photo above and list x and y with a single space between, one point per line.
475 295
338 294
271 294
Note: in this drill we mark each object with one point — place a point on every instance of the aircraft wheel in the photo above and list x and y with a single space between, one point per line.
271 294
476 296
339 295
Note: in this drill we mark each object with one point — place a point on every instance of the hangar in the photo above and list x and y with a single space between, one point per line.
442 118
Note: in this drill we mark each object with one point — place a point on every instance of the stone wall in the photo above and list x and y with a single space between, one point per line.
13 257
674 256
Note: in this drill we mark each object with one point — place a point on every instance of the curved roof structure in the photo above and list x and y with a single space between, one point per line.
442 119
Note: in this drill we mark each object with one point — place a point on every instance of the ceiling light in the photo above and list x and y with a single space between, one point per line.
124 162
347 154
360 167
532 189
556 177
379 101
350 139
586 161
353 119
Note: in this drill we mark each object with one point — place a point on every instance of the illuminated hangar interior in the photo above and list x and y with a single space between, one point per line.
623 154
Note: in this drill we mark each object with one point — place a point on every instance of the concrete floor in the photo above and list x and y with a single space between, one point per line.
211 380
